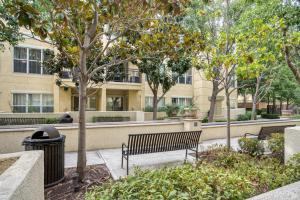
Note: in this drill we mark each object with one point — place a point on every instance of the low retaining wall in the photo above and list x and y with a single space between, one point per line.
292 142
112 135
133 115
25 178
290 192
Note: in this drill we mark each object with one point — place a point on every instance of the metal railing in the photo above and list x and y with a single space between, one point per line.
128 76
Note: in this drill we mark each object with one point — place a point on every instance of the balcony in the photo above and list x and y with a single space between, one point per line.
127 76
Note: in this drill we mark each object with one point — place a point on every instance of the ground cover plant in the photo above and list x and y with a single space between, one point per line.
221 174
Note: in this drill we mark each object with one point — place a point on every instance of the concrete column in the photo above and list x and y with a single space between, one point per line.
291 142
56 97
192 125
140 116
103 99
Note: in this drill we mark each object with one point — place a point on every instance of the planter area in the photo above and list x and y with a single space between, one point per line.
221 174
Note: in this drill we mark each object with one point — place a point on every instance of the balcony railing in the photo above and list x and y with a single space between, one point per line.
128 76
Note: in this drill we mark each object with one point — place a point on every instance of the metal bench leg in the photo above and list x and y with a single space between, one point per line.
127 168
122 160
197 152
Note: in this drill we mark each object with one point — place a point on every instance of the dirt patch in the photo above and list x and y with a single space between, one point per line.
95 175
6 163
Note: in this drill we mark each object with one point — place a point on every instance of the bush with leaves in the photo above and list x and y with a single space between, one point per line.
276 145
245 117
251 146
172 110
221 174
51 120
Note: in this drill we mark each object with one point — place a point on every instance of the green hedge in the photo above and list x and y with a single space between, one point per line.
221 175
270 116
111 119
245 117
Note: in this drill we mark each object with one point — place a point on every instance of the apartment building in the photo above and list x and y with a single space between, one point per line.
26 87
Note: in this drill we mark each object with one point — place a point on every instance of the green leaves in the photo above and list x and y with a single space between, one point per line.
222 174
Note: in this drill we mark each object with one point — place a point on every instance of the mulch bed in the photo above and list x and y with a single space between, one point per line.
95 175
6 163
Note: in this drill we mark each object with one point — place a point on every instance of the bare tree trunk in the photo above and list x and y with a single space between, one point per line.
254 99
155 105
213 100
268 106
228 118
274 103
280 105
81 159
287 103
245 100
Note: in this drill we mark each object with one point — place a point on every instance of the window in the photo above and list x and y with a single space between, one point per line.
115 103
185 78
182 101
91 103
19 103
29 60
32 103
149 102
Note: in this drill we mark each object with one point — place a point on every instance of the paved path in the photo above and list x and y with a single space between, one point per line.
112 158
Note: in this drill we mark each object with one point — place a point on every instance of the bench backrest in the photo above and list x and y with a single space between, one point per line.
265 132
160 142
21 121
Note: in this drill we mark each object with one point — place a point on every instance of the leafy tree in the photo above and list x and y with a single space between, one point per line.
24 15
85 32
163 55
203 16
257 56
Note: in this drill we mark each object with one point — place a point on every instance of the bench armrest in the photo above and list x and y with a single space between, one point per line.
246 134
124 146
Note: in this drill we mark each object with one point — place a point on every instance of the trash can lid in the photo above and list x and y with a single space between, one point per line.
45 132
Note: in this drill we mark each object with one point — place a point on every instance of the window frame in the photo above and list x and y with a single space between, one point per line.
28 47
26 105
186 99
149 99
185 76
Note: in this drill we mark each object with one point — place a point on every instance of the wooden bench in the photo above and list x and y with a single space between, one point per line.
21 121
160 142
265 132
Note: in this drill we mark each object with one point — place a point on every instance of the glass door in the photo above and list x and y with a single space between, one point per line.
115 103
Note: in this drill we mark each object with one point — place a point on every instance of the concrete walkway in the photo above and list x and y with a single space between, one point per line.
112 158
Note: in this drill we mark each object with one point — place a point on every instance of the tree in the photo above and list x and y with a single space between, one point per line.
208 17
163 55
203 17
84 32
256 47
24 15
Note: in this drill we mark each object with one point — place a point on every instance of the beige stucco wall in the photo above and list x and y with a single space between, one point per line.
113 135
25 178
199 90
19 82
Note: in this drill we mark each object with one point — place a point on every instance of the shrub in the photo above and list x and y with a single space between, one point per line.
150 109
171 110
270 116
251 146
258 111
110 119
245 117
221 174
276 145
205 120
51 120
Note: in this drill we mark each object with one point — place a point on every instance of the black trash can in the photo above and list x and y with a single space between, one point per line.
65 118
47 138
